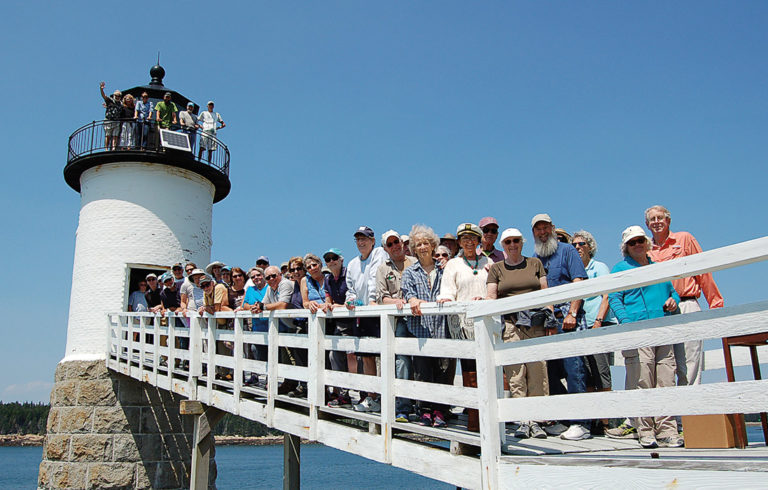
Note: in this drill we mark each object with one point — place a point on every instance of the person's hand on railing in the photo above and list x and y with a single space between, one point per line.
314 306
415 304
399 303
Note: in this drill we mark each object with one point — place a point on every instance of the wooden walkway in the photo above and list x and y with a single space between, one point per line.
503 461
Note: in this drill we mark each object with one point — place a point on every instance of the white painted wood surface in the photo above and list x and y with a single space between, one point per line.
142 360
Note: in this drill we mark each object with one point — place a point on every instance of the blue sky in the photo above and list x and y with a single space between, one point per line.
389 114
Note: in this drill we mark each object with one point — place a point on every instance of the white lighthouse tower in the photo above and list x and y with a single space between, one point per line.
146 203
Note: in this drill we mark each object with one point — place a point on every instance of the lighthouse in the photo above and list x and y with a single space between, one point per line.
146 203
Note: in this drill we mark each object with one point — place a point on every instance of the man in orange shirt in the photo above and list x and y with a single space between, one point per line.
669 245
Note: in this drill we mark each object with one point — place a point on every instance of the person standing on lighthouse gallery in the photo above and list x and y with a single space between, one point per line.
361 291
208 121
668 245
563 265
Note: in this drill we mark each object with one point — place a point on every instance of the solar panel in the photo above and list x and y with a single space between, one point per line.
172 139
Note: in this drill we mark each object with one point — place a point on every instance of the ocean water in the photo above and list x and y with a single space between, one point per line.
245 467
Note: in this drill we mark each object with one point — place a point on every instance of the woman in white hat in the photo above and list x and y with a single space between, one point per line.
512 276
646 367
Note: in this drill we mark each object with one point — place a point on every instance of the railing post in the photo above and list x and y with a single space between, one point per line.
272 360
237 377
316 376
156 348
142 344
211 335
171 346
490 388
387 350
195 355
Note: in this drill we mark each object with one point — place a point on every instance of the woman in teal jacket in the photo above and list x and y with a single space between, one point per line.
646 367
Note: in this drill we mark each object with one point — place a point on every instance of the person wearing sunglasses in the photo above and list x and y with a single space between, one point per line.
254 295
668 245
361 291
313 284
389 292
598 314
490 229
515 275
563 266
335 286
216 299
443 254
646 367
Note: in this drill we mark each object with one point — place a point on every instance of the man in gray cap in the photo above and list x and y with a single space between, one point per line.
208 121
189 124
564 266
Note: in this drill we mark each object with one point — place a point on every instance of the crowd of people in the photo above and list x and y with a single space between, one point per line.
421 267
130 124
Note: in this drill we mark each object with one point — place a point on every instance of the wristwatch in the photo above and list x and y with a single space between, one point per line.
572 314
599 320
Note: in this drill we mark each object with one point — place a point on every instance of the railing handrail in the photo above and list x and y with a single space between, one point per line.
96 145
743 253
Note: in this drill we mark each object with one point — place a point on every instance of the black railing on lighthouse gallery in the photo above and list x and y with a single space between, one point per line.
132 136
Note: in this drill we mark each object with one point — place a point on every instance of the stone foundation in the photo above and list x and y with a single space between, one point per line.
106 430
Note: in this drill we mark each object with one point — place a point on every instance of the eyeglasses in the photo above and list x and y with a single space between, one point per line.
296 269
442 255
511 240
206 284
237 275
393 243
261 262
189 271
270 277
579 244
492 230
636 241
312 265
332 258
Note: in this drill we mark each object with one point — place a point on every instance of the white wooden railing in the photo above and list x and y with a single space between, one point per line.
142 361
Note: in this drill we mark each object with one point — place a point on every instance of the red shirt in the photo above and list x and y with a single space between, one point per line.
681 244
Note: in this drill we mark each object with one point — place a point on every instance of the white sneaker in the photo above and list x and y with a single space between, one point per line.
368 405
575 432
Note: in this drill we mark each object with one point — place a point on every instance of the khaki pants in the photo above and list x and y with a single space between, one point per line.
689 355
529 379
651 367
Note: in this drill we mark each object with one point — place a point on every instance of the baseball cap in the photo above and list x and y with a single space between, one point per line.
633 231
365 231
387 234
488 220
541 217
331 251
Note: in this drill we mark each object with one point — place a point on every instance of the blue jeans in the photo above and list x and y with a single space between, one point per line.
403 369
573 369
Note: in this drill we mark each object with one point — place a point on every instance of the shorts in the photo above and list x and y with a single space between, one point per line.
344 327
207 141
368 327
111 128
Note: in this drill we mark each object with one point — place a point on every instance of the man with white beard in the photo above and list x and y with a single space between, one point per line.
563 265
